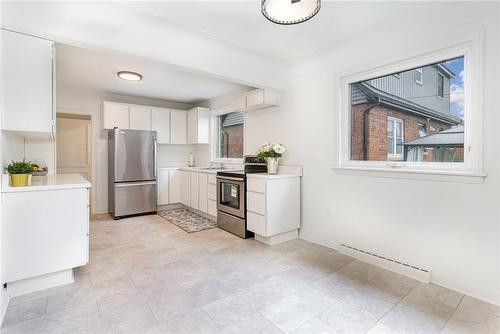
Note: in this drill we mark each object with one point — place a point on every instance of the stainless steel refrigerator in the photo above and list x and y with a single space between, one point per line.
131 172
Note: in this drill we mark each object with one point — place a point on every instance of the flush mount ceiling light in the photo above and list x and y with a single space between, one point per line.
130 76
290 11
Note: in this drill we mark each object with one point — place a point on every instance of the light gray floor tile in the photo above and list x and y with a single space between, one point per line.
474 316
147 276
294 310
28 310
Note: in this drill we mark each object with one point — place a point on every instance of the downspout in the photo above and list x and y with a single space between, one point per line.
365 128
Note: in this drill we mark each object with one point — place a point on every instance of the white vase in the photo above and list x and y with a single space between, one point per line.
272 165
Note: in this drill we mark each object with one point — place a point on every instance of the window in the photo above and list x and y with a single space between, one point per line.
386 123
419 76
421 130
229 135
440 85
394 138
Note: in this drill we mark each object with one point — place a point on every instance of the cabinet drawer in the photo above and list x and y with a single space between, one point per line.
256 223
256 185
212 192
212 179
256 202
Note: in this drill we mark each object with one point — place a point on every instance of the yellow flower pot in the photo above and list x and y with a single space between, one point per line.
19 180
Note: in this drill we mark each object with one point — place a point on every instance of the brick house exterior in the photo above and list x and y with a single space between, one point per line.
401 98
231 135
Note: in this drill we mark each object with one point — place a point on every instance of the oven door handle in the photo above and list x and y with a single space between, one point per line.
230 178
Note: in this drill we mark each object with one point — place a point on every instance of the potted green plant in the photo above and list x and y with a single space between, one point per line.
271 154
19 172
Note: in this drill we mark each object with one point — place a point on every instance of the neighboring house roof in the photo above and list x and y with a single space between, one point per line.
450 137
232 119
404 104
445 70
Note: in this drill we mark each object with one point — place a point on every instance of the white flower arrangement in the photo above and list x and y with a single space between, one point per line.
267 150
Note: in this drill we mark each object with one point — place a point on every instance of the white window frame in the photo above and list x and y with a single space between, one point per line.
439 75
424 128
471 170
421 81
213 135
396 156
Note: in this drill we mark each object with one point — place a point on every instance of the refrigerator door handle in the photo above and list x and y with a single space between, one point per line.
134 184
155 147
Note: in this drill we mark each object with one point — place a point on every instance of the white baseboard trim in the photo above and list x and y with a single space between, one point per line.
29 285
278 239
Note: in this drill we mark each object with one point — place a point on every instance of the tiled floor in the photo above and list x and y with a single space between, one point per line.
148 276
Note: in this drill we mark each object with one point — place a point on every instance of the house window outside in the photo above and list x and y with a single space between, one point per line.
398 119
419 76
440 86
421 130
394 138
229 135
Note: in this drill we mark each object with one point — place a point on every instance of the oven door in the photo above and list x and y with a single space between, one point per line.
231 195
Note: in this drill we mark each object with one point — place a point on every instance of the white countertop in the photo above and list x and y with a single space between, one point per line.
271 176
197 169
49 182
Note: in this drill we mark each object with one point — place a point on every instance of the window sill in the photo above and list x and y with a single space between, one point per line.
413 174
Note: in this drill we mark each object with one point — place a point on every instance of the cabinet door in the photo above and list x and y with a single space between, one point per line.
115 115
185 187
178 127
192 126
27 87
212 208
160 122
163 186
140 117
174 186
202 192
193 201
203 126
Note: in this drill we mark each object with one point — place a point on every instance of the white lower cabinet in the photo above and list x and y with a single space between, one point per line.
202 192
193 194
44 232
212 208
194 189
163 186
273 208
185 187
174 186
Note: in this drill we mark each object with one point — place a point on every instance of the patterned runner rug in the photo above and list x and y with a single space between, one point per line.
187 220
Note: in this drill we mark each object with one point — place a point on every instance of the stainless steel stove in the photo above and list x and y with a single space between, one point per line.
231 197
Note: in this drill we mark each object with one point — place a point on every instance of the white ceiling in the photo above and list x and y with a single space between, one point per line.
96 70
241 22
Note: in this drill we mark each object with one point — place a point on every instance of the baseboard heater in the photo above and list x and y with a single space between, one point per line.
412 271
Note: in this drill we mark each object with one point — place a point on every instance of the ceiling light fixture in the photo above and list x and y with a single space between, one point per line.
130 76
290 11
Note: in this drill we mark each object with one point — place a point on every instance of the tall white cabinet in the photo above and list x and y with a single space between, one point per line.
160 122
198 126
27 64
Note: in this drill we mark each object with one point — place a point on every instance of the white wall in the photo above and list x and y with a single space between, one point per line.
450 228
78 100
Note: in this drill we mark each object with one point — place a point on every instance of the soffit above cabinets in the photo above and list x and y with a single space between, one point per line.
77 67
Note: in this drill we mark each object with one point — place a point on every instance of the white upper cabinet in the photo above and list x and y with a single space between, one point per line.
256 99
160 122
198 126
27 83
140 117
116 115
177 127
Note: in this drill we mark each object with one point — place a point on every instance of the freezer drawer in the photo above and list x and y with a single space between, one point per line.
134 197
